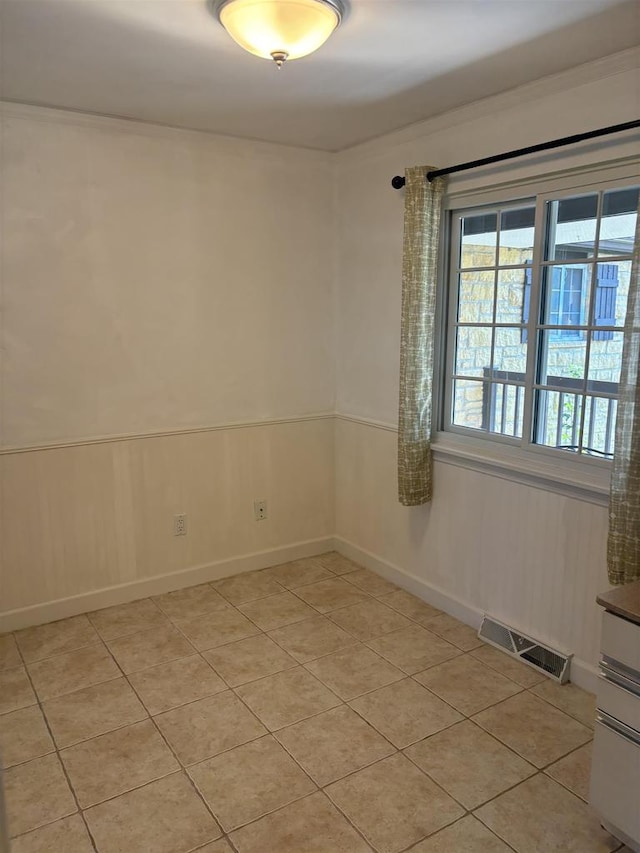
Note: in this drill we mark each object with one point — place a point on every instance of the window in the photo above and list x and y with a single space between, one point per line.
537 304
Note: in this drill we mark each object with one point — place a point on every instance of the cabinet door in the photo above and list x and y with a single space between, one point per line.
615 778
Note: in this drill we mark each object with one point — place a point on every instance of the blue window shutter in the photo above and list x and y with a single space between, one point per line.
605 307
526 304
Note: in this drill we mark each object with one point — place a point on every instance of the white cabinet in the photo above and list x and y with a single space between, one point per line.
615 769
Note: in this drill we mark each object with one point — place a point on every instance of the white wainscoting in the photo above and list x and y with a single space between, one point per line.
530 558
90 525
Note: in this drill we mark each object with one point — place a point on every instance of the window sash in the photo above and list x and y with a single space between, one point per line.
534 328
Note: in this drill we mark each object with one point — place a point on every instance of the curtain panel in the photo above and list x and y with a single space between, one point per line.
623 549
422 213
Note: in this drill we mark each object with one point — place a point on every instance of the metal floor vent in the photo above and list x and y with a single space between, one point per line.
553 663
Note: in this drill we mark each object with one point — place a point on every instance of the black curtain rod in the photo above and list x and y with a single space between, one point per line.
398 181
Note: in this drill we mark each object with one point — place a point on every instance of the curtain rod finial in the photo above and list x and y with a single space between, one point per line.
397 182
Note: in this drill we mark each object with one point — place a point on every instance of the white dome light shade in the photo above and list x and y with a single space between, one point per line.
280 29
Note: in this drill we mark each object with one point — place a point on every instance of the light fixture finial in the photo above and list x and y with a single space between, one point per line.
279 57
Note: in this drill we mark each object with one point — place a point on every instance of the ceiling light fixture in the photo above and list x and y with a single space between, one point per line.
280 29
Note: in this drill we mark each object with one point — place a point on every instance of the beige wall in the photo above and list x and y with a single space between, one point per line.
158 281
529 557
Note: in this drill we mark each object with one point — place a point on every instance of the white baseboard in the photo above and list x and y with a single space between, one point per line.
50 611
583 674
418 586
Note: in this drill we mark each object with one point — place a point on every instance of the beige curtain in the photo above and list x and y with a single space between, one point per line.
623 552
422 208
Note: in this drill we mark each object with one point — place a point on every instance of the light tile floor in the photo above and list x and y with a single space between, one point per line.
311 707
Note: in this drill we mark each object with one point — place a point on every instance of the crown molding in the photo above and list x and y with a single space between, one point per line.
580 75
114 124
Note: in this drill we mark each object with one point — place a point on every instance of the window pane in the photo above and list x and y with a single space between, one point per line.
558 419
562 358
504 408
473 351
599 426
510 295
475 299
571 228
510 353
516 236
467 403
617 230
605 359
479 240
566 296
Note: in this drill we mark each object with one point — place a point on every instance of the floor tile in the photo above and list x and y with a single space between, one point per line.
36 793
124 619
247 587
405 712
54 638
190 602
298 573
312 638
371 583
574 771
331 594
354 670
148 648
249 659
15 690
541 815
68 835
72 671
453 631
394 804
469 764
332 744
467 684
176 683
277 610
465 836
116 762
166 816
517 671
311 825
220 846
216 629
570 699
336 563
93 711
23 736
413 648
410 605
534 729
283 699
250 781
209 726
9 654
369 619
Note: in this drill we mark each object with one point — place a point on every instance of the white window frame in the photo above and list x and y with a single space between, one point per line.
583 477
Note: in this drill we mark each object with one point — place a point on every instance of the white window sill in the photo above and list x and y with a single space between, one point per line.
565 476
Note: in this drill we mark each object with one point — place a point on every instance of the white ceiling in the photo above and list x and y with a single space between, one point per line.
393 62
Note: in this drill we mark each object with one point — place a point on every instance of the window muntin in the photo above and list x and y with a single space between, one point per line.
534 348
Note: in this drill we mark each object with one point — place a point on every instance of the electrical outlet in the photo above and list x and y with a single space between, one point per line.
260 510
180 524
